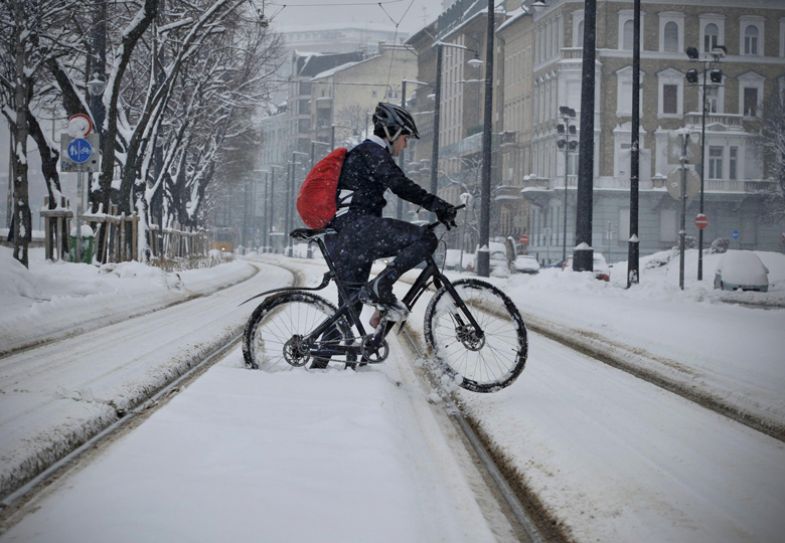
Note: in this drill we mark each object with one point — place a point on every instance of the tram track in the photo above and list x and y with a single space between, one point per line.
50 465
518 504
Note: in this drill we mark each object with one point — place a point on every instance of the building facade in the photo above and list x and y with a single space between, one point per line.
735 171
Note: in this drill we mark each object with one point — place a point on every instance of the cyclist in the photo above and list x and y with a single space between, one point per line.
363 235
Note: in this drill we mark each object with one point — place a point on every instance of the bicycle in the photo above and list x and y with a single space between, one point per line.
474 332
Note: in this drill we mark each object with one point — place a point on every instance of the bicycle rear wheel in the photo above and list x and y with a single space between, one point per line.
484 362
273 337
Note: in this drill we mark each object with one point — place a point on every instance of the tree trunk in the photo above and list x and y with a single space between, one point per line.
21 221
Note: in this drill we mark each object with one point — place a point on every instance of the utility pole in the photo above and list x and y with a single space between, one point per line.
633 269
483 255
583 259
437 109
401 157
685 138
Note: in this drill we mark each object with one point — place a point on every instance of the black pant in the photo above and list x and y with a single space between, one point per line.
361 239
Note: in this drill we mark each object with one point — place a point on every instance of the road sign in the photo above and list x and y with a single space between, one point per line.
674 184
79 150
79 125
79 154
524 239
701 221
735 234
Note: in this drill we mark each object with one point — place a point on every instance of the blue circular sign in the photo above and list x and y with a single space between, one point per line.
735 234
80 150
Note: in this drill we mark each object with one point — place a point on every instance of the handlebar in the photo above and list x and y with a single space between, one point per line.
437 223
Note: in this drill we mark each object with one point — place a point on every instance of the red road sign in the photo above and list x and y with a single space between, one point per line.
701 221
524 239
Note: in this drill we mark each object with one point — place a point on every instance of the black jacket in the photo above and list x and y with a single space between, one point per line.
368 171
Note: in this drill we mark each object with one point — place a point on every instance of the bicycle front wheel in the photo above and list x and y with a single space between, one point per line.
484 360
274 338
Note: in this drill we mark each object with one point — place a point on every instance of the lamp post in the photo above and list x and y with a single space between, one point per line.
271 222
566 131
437 106
633 246
483 257
715 75
401 163
314 143
290 201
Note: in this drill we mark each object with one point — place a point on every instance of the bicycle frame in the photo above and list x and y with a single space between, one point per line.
431 273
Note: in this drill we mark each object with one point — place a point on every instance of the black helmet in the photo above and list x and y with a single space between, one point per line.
394 121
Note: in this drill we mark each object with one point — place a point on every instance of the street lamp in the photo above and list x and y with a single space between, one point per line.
437 106
568 142
314 143
271 222
401 163
715 75
290 201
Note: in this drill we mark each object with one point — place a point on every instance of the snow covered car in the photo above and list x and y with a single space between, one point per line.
741 270
601 269
526 264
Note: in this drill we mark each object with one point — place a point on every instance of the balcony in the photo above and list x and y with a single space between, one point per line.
728 120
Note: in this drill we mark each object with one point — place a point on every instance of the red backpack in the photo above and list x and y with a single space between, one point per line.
317 200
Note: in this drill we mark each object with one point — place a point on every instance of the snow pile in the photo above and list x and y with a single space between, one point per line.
55 299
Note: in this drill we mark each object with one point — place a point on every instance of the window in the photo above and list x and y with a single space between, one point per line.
715 97
782 37
670 101
671 32
751 94
626 29
670 37
750 101
627 34
711 37
624 91
579 37
715 162
751 40
712 31
733 164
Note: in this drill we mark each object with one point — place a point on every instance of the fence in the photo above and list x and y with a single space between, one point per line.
120 242
56 228
176 243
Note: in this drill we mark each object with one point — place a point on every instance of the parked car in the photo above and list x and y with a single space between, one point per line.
741 270
601 269
526 264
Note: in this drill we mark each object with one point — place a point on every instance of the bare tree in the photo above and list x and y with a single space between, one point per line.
773 136
31 34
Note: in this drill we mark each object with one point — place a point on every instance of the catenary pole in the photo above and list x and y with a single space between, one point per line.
633 272
483 255
584 253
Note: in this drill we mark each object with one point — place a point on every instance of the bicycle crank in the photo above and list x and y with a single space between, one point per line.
372 353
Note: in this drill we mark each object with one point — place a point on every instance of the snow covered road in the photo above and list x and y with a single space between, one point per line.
358 456
56 396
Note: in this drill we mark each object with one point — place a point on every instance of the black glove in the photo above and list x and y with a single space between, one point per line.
445 213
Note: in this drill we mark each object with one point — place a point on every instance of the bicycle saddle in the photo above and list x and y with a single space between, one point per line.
307 234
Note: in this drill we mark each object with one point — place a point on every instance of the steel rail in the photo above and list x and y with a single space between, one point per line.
12 506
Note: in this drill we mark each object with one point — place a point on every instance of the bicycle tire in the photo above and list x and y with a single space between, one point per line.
463 362
280 317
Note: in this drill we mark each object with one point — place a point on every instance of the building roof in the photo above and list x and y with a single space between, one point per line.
514 16
310 64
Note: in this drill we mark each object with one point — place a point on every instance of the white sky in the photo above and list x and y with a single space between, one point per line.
412 14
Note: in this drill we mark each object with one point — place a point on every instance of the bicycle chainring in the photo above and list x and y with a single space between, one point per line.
373 354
